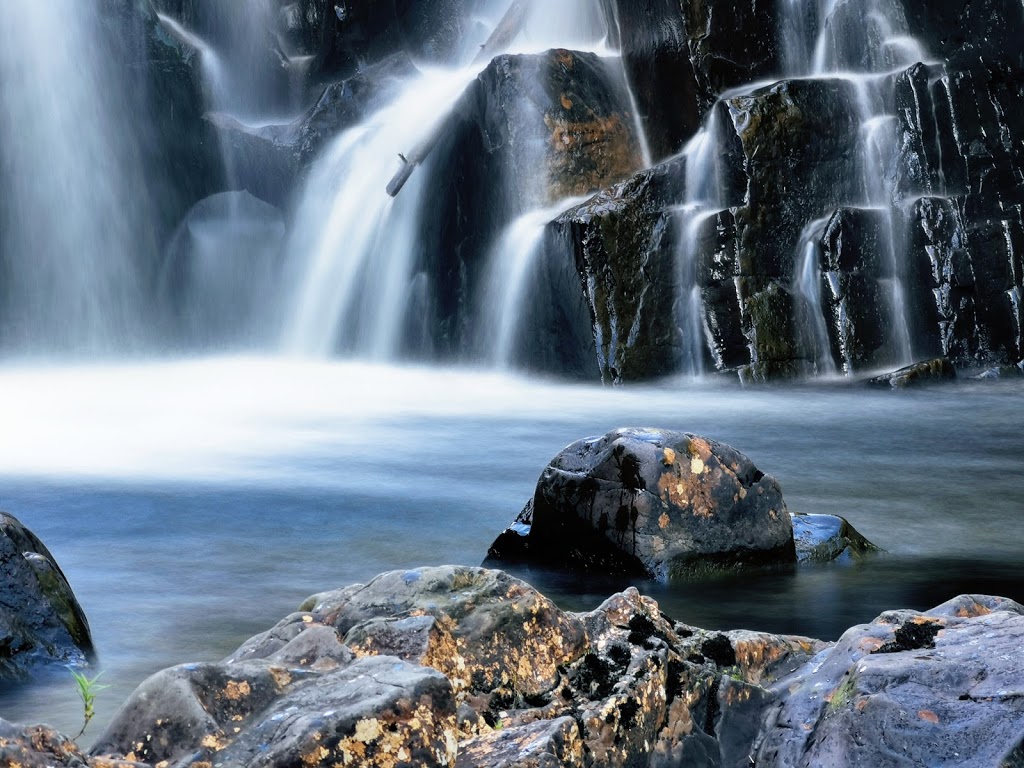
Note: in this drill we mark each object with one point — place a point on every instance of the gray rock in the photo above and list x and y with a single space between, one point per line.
926 372
827 538
940 687
40 620
666 504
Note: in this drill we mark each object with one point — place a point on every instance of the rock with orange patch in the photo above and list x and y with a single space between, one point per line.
945 685
485 629
39 746
660 503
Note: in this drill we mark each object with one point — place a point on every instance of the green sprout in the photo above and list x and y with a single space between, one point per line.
87 690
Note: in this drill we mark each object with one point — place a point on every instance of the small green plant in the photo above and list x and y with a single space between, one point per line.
87 690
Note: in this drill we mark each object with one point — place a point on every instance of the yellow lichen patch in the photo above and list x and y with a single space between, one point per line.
870 644
307 619
315 756
697 465
669 458
235 690
212 741
565 58
737 695
928 716
282 679
663 521
367 730
700 448
742 493
566 102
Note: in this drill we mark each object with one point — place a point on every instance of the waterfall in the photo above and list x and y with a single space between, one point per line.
703 200
511 266
808 285
354 243
355 246
73 218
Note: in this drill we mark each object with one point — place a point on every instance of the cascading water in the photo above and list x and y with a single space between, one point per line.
862 42
356 246
511 266
808 285
703 199
74 213
355 242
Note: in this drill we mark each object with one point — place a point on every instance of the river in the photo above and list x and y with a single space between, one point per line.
193 503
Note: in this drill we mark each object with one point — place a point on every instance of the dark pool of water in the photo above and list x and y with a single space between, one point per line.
194 504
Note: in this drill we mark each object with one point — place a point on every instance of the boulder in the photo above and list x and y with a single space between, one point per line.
41 622
938 687
39 746
926 372
828 538
530 130
663 504
299 699
472 624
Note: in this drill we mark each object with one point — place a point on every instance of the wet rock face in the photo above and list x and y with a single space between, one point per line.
916 685
41 622
295 696
681 56
493 635
623 245
562 111
665 504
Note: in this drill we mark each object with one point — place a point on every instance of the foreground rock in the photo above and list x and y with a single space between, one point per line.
456 666
41 622
460 666
935 688
654 502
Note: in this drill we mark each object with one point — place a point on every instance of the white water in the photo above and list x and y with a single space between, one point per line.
73 216
703 199
354 242
510 268
808 285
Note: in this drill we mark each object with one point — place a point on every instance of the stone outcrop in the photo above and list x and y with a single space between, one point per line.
466 667
456 666
41 622
663 504
937 687
562 112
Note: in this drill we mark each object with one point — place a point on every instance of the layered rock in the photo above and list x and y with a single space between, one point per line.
523 684
41 622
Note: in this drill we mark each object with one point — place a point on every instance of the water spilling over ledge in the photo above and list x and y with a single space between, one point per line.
220 335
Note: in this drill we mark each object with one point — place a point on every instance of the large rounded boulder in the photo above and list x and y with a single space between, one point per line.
655 502
40 620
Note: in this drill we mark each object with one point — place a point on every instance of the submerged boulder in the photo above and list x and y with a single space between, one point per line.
41 622
828 538
655 502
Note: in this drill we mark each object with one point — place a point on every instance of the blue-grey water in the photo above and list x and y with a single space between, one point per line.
194 503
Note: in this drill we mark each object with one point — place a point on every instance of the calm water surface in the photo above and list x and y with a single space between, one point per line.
192 504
